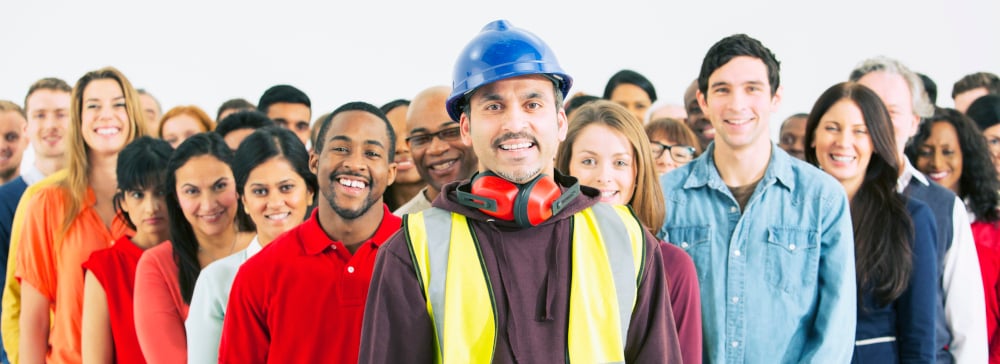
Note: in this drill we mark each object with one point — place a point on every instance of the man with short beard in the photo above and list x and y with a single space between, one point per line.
301 299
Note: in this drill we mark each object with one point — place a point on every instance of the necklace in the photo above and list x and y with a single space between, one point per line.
232 247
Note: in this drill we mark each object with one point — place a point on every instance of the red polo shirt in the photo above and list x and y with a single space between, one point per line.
301 299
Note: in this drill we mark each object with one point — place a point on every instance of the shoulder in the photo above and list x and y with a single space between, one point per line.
100 259
919 211
11 191
157 256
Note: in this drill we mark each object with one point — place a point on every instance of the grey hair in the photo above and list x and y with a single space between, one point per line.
921 105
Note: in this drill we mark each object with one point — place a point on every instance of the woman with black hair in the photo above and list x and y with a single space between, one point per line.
849 135
202 206
952 151
276 187
632 90
108 328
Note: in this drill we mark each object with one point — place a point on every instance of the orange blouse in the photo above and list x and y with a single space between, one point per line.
50 261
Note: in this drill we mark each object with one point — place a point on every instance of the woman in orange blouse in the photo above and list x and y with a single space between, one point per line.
74 217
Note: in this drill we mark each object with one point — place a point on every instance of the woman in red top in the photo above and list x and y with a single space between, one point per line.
205 216
75 216
108 325
951 150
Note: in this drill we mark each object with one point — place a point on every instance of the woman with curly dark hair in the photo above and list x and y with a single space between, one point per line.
952 151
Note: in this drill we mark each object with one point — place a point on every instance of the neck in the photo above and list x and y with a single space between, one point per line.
103 178
742 167
264 238
851 188
49 165
431 193
901 157
403 192
149 240
351 232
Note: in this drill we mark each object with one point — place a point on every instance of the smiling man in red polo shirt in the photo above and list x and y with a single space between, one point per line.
301 299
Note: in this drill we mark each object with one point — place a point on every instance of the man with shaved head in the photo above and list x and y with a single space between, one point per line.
439 153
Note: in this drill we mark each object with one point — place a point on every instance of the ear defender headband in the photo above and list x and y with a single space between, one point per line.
528 204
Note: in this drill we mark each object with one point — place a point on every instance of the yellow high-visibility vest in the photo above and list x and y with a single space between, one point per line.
608 255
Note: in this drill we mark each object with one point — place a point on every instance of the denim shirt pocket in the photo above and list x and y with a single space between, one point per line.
792 259
696 241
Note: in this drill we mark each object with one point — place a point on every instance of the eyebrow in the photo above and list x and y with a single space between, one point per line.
265 183
347 139
96 99
216 181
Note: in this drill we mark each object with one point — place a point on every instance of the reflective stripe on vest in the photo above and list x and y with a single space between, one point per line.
608 253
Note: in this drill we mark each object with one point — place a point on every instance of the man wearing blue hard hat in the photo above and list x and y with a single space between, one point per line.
520 263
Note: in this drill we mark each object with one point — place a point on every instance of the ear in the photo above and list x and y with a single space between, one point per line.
465 128
702 103
914 127
776 98
123 206
392 174
314 162
243 199
563 123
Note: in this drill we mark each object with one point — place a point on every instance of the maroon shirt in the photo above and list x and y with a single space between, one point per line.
685 299
300 300
114 267
530 274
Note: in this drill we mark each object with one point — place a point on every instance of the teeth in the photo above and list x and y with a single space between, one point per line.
842 158
937 175
281 216
108 131
738 121
442 166
608 193
352 183
515 146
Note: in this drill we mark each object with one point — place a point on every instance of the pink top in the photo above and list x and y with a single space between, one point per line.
160 310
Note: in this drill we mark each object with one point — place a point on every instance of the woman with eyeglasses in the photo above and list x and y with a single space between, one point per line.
606 148
673 144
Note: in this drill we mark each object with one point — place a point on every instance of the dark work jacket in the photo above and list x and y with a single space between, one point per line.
529 269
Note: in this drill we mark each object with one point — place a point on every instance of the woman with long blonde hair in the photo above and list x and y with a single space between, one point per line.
606 148
75 216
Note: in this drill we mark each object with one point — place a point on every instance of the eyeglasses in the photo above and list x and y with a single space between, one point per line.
679 153
423 140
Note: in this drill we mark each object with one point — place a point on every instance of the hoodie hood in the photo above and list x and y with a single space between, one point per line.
448 200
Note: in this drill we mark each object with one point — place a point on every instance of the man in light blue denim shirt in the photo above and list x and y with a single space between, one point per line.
770 235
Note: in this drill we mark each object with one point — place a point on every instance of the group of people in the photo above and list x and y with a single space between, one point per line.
490 221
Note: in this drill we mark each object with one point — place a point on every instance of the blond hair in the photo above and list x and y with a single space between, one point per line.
647 200
78 152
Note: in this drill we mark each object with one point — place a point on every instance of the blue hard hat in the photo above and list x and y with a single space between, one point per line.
502 51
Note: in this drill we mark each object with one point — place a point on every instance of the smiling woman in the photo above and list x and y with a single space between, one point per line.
73 216
202 206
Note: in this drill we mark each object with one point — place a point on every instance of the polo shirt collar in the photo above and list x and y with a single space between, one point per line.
315 240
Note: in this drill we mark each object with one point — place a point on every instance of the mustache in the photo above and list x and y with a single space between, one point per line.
511 135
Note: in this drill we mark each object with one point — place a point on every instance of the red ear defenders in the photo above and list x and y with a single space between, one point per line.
528 204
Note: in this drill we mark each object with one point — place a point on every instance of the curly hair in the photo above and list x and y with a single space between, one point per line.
978 183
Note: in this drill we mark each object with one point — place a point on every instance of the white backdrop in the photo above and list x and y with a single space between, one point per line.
205 52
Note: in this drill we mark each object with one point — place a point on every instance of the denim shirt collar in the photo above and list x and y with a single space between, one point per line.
703 170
